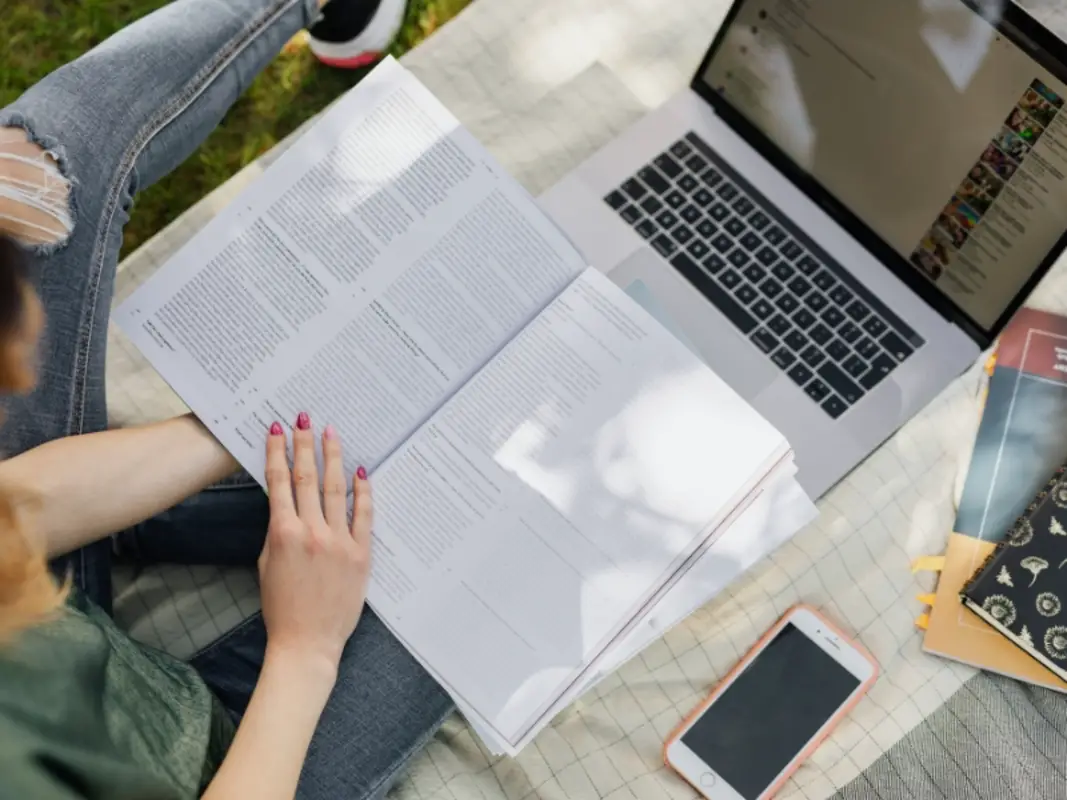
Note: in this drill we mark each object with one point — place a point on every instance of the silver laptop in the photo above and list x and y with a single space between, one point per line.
843 209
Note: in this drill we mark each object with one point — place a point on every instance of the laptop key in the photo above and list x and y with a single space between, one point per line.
799 286
652 204
634 189
816 390
770 288
745 293
837 350
714 263
783 271
858 310
834 406
787 303
630 213
854 366
762 308
646 228
824 280
784 358
880 368
681 149
849 332
667 165
774 235
706 228
698 249
815 301
615 199
719 212
664 245
791 250
696 163
812 356
682 234
800 374
734 226
803 319
687 183
666 219
841 296
743 206
850 391
874 326
796 341
867 348
739 258
703 198
767 257
833 316
691 214
820 334
807 265
730 279
674 199
727 191
722 243
765 340
759 220
754 273
712 177
750 241
653 179
780 325
896 346
719 298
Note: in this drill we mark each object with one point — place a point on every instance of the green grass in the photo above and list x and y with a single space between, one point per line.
41 35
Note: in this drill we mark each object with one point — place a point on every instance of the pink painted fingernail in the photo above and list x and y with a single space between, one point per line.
330 432
361 474
303 421
275 429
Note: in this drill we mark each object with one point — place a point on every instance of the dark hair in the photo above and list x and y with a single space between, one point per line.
14 272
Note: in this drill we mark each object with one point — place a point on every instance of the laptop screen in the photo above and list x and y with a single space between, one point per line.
943 136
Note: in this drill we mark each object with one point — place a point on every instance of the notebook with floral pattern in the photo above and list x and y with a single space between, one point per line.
1021 589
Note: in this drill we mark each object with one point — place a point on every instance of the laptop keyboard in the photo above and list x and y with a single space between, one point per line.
790 299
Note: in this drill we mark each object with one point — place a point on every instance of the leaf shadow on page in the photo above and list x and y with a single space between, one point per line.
600 478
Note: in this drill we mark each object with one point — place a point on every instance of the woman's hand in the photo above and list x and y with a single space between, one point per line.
314 566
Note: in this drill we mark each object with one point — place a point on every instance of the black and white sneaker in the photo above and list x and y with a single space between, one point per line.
355 33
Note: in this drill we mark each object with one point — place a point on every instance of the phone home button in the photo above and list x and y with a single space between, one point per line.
708 779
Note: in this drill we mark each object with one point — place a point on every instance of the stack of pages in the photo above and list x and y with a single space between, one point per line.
558 479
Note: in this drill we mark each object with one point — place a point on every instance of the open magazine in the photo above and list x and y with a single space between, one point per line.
549 462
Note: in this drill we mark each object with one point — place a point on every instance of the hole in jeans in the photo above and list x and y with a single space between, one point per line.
34 195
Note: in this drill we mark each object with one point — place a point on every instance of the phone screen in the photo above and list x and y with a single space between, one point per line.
771 710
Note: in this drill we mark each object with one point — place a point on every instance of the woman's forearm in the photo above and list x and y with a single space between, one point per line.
81 488
268 752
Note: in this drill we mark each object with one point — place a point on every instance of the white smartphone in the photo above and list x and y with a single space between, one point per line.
771 711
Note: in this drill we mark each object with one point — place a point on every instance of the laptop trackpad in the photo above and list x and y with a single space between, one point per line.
687 314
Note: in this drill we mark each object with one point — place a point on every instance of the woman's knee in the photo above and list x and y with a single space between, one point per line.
34 194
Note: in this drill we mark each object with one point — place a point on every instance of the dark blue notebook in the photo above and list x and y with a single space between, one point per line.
1021 589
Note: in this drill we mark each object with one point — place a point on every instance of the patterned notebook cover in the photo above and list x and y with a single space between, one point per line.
1020 442
1019 589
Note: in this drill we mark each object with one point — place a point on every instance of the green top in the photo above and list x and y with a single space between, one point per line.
85 712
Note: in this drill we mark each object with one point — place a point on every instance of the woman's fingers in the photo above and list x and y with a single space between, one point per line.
305 471
334 485
279 486
363 508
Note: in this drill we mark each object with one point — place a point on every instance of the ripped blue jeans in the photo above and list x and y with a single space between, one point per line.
115 121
